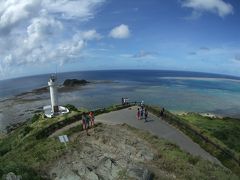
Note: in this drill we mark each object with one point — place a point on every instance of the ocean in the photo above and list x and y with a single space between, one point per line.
177 91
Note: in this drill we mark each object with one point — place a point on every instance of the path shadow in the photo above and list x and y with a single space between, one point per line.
149 120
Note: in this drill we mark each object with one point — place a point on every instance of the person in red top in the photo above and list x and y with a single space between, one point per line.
91 115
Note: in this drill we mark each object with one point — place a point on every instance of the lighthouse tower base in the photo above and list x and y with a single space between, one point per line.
49 113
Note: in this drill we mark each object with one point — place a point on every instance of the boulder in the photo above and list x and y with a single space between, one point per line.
12 176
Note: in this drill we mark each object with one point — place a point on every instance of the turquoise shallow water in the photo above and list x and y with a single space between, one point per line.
174 97
176 91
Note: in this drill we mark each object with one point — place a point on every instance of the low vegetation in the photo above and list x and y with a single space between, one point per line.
27 148
181 164
226 130
25 154
220 137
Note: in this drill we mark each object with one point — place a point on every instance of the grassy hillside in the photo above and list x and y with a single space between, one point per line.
182 164
27 152
217 136
227 130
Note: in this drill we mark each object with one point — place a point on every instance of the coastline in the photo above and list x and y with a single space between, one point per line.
16 109
108 89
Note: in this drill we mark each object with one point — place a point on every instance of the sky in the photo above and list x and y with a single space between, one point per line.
45 36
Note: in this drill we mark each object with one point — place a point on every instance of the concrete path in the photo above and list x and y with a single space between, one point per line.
157 127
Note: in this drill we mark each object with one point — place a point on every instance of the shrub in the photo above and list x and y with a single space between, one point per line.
71 107
26 130
35 117
19 169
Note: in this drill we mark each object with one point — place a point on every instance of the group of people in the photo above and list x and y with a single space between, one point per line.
125 101
87 121
142 113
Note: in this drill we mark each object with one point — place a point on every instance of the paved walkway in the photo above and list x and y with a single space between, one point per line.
157 127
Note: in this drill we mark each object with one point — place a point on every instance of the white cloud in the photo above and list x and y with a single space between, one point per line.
82 9
13 12
36 31
8 59
215 6
91 35
120 32
41 29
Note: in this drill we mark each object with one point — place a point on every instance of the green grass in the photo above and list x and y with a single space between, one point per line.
23 153
207 132
174 161
223 132
226 130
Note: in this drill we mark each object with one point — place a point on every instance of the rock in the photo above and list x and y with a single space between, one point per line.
12 176
64 173
91 176
140 173
143 155
40 90
108 169
74 82
109 153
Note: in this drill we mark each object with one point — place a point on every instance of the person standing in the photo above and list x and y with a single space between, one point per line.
91 115
85 122
138 114
146 115
142 104
142 112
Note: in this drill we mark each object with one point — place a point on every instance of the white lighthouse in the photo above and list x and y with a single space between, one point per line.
52 83
54 109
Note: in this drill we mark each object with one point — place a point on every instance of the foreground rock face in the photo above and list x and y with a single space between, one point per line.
112 153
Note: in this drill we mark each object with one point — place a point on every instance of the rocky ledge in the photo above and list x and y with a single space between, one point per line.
110 152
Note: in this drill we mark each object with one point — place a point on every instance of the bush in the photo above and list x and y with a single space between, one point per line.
19 169
4 149
71 107
26 130
35 117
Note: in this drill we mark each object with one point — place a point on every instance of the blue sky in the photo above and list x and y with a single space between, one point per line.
39 36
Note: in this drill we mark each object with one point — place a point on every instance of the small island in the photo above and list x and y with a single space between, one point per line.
74 82
67 85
